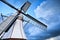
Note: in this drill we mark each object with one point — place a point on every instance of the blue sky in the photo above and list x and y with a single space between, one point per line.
47 11
18 4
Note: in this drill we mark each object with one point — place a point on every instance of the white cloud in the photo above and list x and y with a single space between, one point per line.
47 9
51 39
54 38
50 10
34 30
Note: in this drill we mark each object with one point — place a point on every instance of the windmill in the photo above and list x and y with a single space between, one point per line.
5 26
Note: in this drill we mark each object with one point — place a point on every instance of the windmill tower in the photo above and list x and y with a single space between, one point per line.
18 32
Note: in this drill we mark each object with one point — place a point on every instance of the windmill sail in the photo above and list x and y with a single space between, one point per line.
19 11
35 22
5 25
25 6
2 16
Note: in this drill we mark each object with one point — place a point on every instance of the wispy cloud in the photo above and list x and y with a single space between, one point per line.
49 10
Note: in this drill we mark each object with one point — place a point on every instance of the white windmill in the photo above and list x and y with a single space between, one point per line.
17 18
